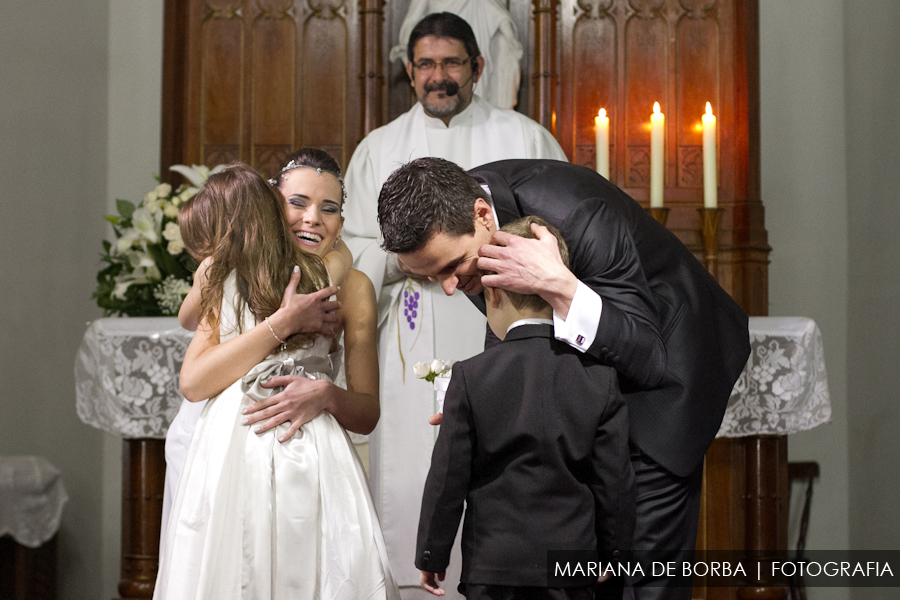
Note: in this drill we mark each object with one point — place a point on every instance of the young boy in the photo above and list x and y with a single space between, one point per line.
534 439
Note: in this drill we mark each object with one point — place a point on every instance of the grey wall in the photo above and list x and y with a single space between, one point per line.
804 190
872 66
53 123
79 127
830 84
133 98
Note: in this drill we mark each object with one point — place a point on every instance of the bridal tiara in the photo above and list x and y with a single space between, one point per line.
294 164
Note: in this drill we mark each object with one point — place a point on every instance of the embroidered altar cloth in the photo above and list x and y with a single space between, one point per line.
32 496
784 387
126 375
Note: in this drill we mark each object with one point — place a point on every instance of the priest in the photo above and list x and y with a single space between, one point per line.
417 322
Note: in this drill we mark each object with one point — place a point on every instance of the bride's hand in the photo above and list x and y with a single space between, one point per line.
305 313
300 401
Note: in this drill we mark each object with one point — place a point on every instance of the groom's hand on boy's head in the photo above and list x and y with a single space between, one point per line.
521 265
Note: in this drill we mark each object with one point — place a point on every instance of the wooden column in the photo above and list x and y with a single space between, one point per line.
545 72
143 481
371 13
28 573
767 506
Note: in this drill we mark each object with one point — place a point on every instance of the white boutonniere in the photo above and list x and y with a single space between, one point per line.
438 374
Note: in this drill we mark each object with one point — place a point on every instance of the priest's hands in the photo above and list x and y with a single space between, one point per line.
529 266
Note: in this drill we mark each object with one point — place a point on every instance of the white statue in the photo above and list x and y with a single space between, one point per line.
497 38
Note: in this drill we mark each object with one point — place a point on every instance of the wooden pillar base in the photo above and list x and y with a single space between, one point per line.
143 482
767 502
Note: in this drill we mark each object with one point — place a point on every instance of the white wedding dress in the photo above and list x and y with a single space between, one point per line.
256 519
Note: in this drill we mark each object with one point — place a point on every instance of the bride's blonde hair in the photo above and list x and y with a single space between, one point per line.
253 239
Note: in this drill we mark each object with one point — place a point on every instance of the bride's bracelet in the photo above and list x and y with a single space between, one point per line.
281 341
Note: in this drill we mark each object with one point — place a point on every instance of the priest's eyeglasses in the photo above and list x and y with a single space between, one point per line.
451 65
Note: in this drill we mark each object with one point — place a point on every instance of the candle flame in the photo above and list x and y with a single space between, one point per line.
698 126
708 109
601 113
656 108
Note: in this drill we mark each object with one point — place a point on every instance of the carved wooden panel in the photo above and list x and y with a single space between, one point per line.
250 80
624 55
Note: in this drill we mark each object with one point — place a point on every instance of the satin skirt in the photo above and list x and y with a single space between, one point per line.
257 519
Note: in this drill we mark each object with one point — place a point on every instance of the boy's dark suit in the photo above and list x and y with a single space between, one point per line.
677 339
534 439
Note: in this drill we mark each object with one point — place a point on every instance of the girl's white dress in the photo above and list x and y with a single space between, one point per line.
257 519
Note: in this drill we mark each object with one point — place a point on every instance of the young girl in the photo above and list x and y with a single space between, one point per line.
204 221
254 517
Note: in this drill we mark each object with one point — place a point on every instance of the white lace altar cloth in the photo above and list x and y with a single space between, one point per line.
784 387
32 496
126 375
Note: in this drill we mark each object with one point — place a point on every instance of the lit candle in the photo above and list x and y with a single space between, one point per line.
710 183
601 130
657 160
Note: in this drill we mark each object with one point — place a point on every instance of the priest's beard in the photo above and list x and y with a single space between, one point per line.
449 106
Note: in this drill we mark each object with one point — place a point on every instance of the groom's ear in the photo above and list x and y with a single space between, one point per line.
483 214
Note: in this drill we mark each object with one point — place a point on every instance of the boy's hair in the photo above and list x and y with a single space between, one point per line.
522 228
244 216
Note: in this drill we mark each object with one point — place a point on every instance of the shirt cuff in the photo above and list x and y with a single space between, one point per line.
579 328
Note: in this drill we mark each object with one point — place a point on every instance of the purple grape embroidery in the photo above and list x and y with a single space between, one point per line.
410 305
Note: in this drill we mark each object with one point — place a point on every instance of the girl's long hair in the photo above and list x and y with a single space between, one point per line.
254 240
202 222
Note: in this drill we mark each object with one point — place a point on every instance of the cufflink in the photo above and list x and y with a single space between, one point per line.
579 340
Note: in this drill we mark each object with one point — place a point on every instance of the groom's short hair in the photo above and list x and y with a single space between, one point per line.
522 228
424 197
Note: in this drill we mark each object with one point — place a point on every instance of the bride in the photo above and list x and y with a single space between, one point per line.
255 517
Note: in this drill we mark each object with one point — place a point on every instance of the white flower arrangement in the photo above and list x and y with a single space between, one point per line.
147 271
430 372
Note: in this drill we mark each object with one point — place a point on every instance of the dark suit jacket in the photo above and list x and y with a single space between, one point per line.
677 339
535 439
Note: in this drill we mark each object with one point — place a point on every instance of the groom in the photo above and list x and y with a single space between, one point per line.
635 298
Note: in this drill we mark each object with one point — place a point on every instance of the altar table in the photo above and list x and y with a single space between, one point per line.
32 497
126 375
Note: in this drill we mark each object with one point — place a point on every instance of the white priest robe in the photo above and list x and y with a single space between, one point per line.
416 320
